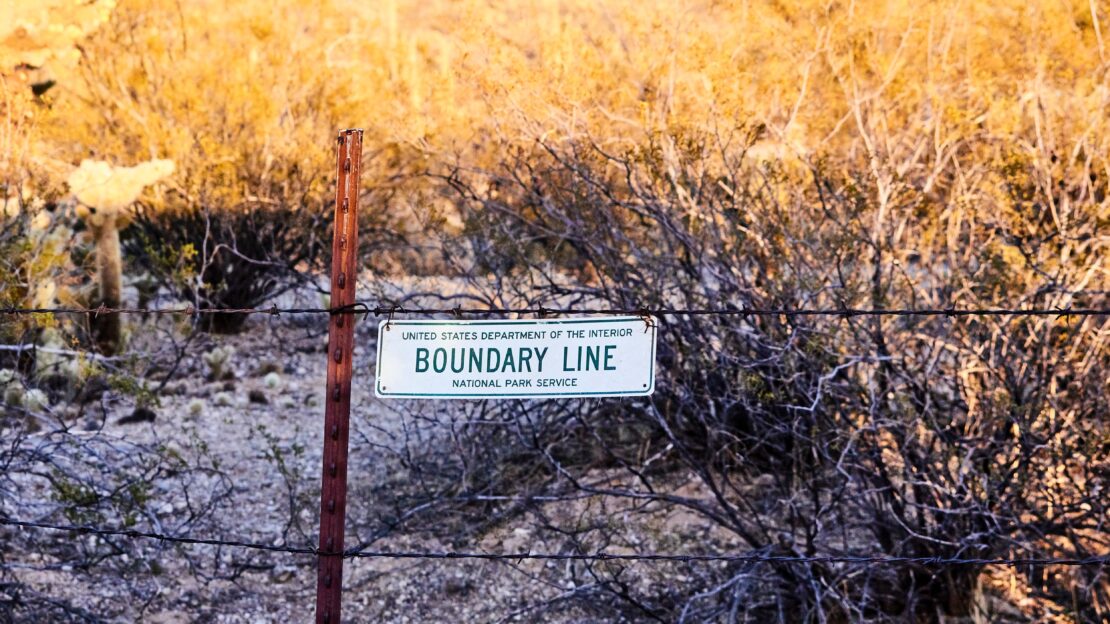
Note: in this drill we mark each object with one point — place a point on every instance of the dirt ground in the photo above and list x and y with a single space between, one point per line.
256 417
261 422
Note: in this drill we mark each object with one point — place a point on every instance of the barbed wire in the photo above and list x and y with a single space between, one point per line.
161 537
1099 560
541 311
458 312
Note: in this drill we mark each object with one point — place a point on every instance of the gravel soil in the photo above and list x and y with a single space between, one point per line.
260 419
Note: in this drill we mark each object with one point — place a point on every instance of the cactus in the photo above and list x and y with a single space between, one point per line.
272 381
11 388
217 360
196 407
15 395
35 400
103 193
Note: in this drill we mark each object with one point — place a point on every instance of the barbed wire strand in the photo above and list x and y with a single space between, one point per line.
1100 560
382 310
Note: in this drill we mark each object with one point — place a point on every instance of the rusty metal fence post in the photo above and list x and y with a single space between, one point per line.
337 411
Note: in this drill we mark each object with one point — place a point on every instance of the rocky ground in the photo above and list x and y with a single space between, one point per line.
252 404
242 415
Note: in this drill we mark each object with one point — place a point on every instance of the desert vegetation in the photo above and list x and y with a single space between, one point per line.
562 153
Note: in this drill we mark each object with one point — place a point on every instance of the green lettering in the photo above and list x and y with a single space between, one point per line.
491 365
593 354
609 356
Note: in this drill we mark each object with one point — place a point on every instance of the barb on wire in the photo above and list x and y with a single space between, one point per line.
542 311
1100 560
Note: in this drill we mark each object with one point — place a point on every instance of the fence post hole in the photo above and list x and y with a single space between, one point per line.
337 399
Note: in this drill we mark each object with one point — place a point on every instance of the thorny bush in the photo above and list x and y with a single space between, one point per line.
908 437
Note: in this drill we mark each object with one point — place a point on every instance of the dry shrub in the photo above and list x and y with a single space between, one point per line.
900 436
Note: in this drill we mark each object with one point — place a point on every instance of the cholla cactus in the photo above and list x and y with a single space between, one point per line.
15 395
272 381
217 360
11 388
47 362
196 407
104 192
35 400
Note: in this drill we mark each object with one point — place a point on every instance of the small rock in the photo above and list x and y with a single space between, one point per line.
169 617
281 574
93 389
267 367
141 414
454 586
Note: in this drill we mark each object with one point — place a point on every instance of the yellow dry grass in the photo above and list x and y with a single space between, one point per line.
219 86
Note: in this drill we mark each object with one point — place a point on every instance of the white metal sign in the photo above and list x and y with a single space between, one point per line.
589 357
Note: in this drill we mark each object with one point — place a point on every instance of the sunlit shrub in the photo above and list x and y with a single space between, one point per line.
35 266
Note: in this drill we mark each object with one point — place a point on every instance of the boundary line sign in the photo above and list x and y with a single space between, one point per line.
608 356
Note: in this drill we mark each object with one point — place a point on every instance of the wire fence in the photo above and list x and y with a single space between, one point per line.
356 553
541 311
459 312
